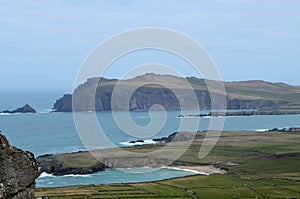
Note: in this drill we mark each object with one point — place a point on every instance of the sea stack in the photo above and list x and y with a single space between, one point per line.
24 109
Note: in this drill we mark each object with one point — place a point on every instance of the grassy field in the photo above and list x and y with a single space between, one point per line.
260 165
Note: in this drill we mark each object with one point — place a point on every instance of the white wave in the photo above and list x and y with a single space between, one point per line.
142 117
49 110
79 175
189 117
262 130
44 174
128 143
144 169
5 113
187 170
149 142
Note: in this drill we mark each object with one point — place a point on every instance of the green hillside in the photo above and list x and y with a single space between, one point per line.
167 90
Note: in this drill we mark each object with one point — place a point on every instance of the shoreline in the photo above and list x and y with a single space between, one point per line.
202 170
83 162
245 156
207 170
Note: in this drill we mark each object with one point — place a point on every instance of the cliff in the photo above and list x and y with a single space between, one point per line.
169 91
18 171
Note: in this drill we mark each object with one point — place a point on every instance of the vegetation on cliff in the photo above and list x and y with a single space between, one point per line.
239 95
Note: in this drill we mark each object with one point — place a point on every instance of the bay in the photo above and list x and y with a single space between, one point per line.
53 133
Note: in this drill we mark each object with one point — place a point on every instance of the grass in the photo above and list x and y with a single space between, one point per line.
268 167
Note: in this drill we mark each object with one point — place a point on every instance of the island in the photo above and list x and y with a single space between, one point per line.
24 109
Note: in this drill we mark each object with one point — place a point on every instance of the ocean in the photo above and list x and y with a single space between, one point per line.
53 133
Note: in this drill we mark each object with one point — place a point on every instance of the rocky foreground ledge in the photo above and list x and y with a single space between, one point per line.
18 171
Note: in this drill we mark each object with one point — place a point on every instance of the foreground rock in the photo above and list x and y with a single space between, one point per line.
18 171
24 109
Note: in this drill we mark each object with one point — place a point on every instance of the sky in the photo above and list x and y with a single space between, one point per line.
44 43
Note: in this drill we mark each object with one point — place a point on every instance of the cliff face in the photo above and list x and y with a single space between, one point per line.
64 104
18 171
239 95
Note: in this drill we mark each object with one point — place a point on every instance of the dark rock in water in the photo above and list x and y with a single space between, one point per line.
176 137
138 141
18 171
286 130
25 109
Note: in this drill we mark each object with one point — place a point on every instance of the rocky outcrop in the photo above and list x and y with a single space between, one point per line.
18 171
53 164
286 130
176 137
63 104
24 109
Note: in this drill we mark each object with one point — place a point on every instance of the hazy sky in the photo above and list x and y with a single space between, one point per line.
43 43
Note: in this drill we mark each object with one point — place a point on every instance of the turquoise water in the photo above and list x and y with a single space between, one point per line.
112 176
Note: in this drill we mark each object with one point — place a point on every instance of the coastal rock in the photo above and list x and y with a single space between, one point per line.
63 104
24 109
18 171
286 130
138 141
176 137
52 164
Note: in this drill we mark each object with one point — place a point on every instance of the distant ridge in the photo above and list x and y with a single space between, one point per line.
253 94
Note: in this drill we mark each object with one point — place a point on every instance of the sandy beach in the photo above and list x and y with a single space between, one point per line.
203 169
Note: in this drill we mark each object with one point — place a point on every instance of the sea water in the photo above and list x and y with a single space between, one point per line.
54 133
113 176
